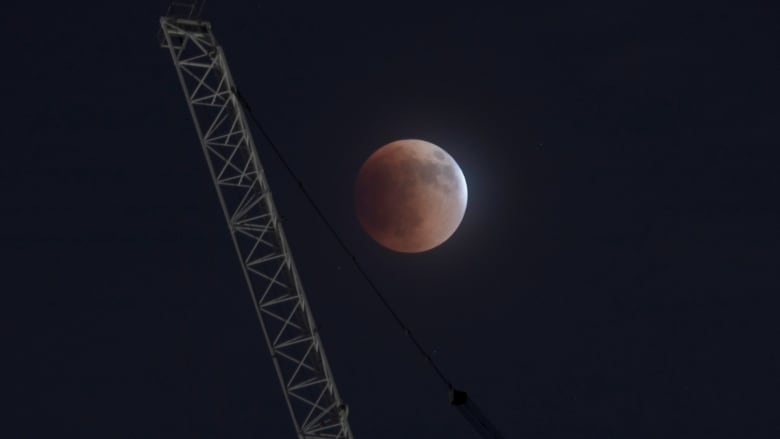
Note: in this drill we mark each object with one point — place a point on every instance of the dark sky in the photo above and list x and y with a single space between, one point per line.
615 275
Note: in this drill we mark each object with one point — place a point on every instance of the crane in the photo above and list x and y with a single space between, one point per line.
309 390
221 124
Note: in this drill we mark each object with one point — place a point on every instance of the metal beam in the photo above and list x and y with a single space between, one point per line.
285 317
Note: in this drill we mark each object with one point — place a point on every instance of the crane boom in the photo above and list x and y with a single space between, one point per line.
307 383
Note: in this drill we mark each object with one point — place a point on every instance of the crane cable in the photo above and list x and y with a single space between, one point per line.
457 397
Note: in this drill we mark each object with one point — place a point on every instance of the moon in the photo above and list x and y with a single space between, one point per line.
410 196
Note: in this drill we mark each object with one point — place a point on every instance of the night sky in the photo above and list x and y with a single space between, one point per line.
615 275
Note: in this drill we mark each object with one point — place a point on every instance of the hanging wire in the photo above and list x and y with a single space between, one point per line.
458 398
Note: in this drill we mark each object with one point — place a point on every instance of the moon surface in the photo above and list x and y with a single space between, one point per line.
410 196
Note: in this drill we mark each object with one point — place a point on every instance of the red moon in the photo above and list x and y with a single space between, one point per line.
410 196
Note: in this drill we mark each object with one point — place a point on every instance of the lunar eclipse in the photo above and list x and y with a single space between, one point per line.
410 196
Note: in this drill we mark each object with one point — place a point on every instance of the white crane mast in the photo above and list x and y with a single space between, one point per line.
314 403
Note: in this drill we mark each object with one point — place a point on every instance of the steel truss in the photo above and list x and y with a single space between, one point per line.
314 403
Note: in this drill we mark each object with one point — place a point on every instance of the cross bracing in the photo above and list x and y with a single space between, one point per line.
312 398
